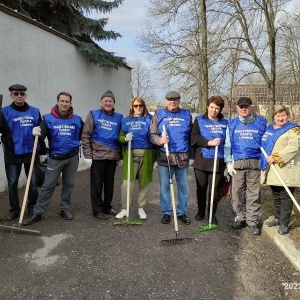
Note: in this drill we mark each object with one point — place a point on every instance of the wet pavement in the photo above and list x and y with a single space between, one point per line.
87 258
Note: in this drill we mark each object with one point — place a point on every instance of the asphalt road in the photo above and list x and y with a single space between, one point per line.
91 259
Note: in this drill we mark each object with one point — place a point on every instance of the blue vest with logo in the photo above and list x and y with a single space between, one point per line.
246 138
64 134
269 139
140 128
210 130
178 129
107 128
21 124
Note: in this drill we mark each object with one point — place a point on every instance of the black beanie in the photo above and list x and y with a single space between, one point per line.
110 94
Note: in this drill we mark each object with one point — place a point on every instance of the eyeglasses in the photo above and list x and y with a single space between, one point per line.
18 93
138 105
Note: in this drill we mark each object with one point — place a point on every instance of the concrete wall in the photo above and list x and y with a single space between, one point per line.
48 63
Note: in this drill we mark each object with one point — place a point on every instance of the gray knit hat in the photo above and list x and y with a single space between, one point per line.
110 94
173 95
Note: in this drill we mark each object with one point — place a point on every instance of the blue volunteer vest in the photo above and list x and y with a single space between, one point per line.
269 139
177 127
65 134
246 139
210 130
21 124
107 128
140 128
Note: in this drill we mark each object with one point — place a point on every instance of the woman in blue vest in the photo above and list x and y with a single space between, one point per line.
136 128
281 142
208 132
101 149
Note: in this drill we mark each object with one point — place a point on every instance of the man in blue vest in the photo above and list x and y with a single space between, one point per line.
63 130
101 149
17 121
178 123
243 137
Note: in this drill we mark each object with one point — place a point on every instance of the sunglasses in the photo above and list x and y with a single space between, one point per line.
19 93
138 105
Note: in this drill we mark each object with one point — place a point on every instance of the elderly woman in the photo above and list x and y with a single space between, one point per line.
281 142
136 128
208 132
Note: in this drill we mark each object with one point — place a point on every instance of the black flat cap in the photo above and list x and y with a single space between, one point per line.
244 101
173 95
17 87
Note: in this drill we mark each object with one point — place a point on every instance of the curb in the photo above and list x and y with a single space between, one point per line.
284 243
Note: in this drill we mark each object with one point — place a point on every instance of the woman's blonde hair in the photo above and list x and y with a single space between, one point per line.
140 101
280 108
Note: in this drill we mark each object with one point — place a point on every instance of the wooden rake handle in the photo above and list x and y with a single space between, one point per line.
28 180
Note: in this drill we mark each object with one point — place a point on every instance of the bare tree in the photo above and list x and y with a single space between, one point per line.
173 34
141 81
253 25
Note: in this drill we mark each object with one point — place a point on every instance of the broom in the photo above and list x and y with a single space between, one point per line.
177 239
127 222
19 228
210 225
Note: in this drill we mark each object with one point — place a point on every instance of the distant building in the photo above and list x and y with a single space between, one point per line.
286 94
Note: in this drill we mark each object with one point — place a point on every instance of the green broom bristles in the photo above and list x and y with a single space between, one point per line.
207 227
127 222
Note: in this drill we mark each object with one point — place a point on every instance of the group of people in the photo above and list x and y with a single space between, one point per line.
209 141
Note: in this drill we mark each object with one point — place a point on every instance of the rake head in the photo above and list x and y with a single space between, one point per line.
176 240
207 227
19 228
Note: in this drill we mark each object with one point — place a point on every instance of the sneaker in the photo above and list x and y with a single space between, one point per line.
142 214
121 214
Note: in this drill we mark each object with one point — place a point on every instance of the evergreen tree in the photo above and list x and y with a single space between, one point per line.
69 17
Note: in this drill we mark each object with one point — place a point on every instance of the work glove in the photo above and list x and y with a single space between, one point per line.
191 162
230 169
128 137
88 161
36 131
155 165
120 163
43 158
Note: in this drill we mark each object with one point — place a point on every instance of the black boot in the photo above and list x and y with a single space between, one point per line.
200 216
214 219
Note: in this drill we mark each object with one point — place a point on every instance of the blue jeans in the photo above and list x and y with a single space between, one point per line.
13 172
181 175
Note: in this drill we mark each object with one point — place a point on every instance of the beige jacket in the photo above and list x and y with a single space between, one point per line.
286 153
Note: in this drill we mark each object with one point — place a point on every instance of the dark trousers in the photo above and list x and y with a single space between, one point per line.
102 179
204 183
13 172
283 204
